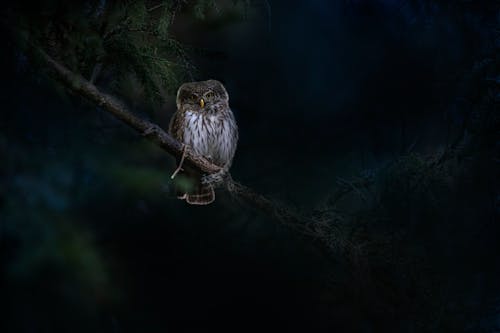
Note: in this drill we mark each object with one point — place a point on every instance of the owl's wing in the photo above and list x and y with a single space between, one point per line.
176 128
233 127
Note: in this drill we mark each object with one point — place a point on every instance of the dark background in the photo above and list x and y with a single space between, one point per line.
92 239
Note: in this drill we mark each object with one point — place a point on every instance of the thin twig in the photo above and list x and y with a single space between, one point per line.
179 168
155 7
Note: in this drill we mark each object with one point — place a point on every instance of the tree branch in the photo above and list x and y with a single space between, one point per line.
110 104
287 216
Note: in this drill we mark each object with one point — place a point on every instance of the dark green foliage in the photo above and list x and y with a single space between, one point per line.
123 46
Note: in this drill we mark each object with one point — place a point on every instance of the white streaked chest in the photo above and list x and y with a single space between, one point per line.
209 135
199 131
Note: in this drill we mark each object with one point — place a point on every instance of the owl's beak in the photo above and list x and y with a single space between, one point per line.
202 103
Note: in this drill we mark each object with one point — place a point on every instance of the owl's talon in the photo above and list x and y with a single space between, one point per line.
214 179
179 168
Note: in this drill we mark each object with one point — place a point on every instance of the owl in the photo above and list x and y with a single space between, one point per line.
204 122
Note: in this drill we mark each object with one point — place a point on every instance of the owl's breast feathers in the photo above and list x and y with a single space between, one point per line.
212 135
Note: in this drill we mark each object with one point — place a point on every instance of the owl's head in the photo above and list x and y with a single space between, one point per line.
204 97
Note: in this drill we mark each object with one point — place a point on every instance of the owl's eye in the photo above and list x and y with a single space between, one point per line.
209 95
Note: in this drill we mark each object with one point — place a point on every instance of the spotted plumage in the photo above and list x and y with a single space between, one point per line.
205 123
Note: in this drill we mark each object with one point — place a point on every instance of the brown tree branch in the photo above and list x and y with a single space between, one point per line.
110 104
287 216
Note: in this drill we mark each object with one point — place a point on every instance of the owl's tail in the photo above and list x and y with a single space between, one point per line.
204 195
